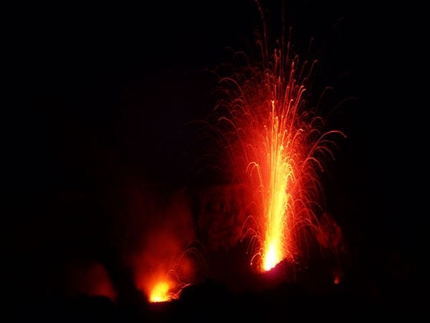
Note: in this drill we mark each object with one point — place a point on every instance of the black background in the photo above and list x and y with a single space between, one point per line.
99 94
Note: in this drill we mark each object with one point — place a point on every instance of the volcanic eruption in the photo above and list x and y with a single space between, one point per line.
276 143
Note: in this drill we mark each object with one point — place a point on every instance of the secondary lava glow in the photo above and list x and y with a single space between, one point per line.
163 288
160 287
160 292
277 145
162 250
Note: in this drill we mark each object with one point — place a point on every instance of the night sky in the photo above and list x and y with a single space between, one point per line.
100 95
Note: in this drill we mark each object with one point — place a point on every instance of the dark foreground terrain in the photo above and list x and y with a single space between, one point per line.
211 301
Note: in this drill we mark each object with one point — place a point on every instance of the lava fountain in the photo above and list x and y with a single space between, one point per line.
277 144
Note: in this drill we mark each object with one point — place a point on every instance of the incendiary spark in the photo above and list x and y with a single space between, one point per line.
277 144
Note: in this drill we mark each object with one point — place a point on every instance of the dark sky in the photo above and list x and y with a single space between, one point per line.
100 93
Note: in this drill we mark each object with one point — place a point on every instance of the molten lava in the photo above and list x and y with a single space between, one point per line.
160 292
277 144
163 256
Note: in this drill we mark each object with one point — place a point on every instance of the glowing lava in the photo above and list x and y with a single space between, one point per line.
163 289
160 292
277 144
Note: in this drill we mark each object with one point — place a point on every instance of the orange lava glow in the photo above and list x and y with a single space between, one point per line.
160 288
164 257
160 292
277 144
161 284
164 288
